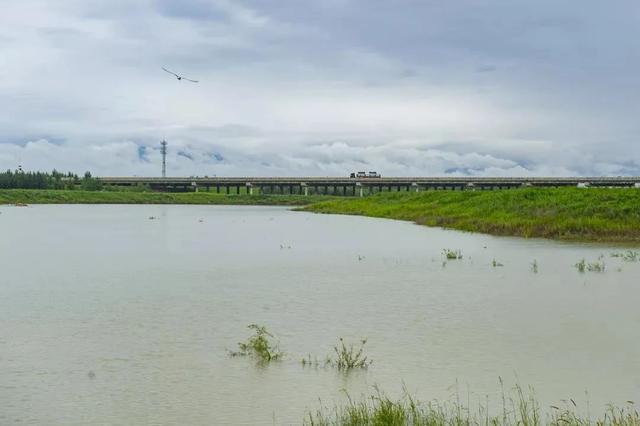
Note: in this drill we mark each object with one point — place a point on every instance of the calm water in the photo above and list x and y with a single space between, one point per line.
107 317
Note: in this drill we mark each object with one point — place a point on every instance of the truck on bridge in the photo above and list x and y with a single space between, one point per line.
365 175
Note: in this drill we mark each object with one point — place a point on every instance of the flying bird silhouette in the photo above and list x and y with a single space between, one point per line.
179 77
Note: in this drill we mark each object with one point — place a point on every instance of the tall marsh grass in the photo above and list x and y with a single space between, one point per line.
519 409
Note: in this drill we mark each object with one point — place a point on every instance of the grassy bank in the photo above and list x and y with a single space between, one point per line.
520 409
565 213
36 196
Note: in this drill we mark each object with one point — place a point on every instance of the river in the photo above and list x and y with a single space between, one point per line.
124 314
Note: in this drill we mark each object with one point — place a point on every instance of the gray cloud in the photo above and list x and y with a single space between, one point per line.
292 87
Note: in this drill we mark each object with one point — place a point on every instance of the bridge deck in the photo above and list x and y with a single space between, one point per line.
384 181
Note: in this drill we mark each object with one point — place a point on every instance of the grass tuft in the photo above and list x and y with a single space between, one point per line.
349 357
584 266
452 254
259 346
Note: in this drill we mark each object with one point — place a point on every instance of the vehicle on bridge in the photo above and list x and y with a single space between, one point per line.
365 175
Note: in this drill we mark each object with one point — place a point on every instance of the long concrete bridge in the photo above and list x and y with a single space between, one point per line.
358 186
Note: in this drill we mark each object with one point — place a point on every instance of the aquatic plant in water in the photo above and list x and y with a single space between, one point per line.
597 266
349 357
259 346
309 362
534 266
627 256
452 254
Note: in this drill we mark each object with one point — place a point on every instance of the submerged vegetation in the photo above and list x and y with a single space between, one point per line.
259 346
452 254
520 409
350 357
627 256
598 214
584 266
345 357
534 266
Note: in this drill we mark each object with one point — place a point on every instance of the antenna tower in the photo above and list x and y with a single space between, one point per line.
163 151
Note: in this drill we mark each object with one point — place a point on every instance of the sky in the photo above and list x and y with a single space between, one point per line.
321 88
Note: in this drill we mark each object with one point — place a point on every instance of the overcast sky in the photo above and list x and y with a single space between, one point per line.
322 87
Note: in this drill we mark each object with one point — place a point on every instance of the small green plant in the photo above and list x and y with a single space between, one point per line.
259 346
534 266
452 254
597 266
349 357
496 264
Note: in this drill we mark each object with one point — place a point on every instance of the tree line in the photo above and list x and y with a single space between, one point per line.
19 179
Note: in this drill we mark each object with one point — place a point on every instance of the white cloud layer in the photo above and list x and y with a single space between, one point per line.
294 87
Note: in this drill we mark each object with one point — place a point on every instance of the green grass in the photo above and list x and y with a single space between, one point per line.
37 196
563 213
519 409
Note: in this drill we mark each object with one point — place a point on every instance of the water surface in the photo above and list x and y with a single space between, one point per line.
108 317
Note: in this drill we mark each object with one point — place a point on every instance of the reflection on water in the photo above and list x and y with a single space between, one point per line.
108 317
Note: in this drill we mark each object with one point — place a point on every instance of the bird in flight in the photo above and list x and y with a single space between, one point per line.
179 77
